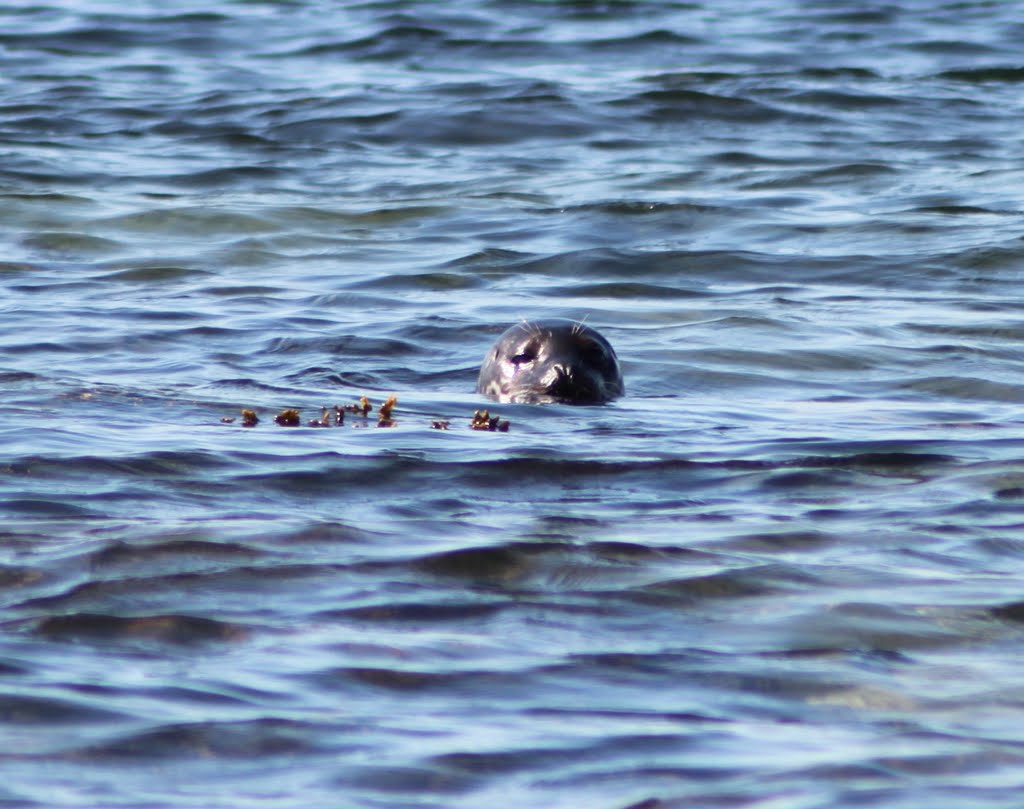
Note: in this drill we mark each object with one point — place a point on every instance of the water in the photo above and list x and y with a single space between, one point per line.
783 571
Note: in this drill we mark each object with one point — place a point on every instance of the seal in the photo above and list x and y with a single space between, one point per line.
546 361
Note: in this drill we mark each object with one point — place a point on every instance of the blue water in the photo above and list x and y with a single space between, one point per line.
785 570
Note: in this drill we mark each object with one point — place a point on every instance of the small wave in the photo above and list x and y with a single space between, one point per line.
25 710
192 220
692 106
417 613
152 274
174 629
985 75
241 740
73 244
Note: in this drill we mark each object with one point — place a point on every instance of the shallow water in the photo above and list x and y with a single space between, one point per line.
783 571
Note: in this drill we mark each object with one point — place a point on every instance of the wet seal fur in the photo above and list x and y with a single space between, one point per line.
546 361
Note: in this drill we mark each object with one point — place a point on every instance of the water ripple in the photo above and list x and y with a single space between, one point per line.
782 568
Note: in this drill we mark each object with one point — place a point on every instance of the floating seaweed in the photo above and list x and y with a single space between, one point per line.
329 417
323 421
288 418
362 409
249 419
335 417
384 414
483 420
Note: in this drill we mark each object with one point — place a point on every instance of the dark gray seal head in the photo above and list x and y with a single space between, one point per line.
551 361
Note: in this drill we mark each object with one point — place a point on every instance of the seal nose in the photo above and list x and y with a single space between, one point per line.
567 381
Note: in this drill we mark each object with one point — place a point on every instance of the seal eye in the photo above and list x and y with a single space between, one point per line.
528 354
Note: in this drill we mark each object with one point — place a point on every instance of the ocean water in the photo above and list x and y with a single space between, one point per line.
785 571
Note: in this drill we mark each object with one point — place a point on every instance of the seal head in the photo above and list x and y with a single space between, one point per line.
551 361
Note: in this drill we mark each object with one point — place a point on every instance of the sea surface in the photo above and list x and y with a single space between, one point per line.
785 571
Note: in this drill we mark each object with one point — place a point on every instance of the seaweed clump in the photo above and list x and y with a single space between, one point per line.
288 418
335 417
329 418
362 409
483 420
384 414
249 419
